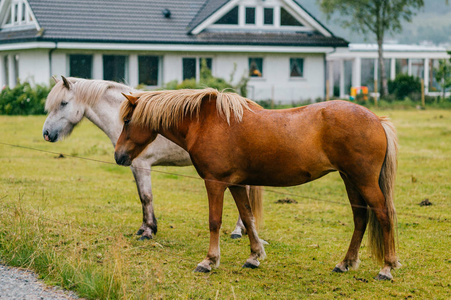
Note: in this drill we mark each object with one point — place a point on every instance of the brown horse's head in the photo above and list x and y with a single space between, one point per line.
134 137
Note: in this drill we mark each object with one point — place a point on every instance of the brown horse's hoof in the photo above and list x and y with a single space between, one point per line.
200 269
145 237
140 232
236 236
250 266
382 277
338 270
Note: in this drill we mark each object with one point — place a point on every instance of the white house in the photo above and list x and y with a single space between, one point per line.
276 42
358 65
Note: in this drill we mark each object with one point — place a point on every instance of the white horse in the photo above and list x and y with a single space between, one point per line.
71 99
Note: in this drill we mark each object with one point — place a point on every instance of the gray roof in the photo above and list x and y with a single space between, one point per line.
142 21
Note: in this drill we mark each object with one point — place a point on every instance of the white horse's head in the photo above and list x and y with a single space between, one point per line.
64 112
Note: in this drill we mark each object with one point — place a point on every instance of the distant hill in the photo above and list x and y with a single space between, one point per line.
431 24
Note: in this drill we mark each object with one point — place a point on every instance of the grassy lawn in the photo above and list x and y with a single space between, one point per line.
74 220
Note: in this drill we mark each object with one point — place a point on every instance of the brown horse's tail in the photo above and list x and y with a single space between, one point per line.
387 184
256 201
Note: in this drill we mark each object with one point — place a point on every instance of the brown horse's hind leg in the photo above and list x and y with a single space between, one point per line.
242 202
384 233
359 210
215 192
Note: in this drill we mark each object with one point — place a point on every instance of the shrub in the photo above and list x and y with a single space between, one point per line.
23 99
405 86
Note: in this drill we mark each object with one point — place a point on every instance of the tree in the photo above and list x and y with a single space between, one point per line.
373 16
443 75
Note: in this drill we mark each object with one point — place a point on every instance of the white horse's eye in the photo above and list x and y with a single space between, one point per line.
64 103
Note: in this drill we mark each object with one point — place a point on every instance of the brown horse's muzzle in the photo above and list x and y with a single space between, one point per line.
122 159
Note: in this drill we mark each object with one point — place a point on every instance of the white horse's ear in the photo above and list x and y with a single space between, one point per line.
55 79
132 99
66 82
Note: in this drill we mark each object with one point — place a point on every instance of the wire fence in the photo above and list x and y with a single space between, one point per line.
282 193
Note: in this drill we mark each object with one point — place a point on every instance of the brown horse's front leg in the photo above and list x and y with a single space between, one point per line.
215 192
242 202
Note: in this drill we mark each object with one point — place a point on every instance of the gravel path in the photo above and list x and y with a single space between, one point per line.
20 284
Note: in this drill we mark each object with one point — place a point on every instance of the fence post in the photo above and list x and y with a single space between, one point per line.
327 90
375 92
423 104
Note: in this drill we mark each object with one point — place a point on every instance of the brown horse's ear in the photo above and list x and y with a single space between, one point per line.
132 99
66 82
55 79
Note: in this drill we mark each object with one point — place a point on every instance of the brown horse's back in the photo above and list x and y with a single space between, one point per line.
303 143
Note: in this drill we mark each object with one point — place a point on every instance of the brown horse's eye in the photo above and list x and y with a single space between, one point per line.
126 121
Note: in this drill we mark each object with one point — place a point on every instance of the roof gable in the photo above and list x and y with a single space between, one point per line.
299 18
17 15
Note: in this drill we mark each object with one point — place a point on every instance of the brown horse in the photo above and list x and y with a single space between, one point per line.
234 142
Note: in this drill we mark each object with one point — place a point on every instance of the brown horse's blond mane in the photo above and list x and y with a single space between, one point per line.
86 91
164 109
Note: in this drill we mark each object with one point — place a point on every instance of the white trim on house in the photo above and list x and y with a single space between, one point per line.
164 47
189 48
27 46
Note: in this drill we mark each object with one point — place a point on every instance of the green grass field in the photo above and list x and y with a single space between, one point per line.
74 220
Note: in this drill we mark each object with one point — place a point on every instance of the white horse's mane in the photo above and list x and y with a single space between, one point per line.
86 91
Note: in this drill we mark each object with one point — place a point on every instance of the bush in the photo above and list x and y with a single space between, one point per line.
23 99
405 86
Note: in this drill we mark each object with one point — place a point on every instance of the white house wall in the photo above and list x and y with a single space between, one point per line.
34 67
59 64
275 84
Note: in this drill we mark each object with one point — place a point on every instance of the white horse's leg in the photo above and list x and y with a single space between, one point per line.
239 229
141 172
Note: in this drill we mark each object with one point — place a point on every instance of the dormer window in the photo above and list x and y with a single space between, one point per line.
18 14
230 18
250 15
256 15
268 16
287 19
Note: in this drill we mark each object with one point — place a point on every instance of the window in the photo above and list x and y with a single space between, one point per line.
24 9
6 69
8 18
255 67
367 73
189 68
114 68
148 67
268 14
286 19
16 13
80 66
417 67
250 15
208 62
296 67
230 18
